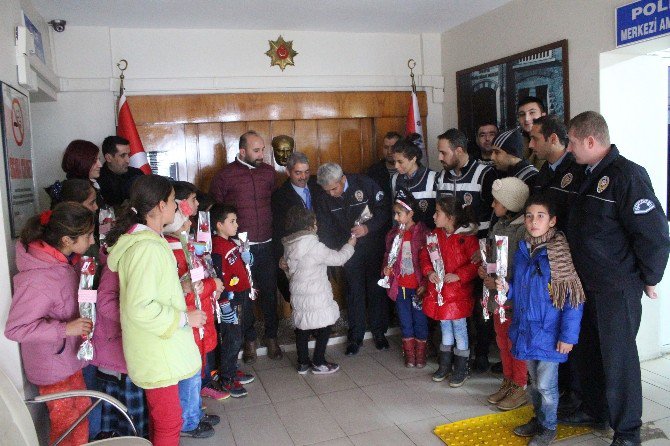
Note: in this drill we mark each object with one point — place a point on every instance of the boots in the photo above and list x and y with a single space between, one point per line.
516 397
501 393
249 352
445 359
461 371
420 354
409 351
274 351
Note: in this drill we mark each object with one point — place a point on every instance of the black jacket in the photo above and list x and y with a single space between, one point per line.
617 230
561 186
283 199
381 175
524 171
335 216
115 188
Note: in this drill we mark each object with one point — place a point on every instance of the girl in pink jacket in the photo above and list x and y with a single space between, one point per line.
44 315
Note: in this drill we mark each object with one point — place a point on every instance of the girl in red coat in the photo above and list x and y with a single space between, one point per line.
455 230
405 278
195 423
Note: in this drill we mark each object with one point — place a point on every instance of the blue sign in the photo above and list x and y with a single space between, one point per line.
642 20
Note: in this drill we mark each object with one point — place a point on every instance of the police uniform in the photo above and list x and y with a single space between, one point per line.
618 237
560 185
472 187
335 218
422 187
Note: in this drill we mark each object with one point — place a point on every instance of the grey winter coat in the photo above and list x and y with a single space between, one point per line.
311 292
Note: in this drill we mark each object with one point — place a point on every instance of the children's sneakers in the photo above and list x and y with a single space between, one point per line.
234 388
304 368
244 378
325 368
204 430
214 390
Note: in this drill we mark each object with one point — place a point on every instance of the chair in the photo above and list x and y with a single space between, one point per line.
17 426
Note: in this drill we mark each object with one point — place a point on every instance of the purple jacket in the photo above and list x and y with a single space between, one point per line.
45 299
107 335
249 189
419 231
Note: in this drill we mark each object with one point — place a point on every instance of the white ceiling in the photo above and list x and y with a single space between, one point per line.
377 16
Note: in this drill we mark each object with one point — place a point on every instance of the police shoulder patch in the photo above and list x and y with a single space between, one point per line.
566 180
379 196
603 183
359 195
643 206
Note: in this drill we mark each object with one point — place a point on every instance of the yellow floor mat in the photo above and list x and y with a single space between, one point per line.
496 429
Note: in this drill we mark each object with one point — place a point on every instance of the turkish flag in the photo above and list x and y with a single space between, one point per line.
126 129
413 125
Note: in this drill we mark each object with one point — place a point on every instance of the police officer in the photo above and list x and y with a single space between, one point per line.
560 177
345 198
618 236
413 177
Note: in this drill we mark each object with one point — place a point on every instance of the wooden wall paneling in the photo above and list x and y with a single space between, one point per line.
166 138
350 145
231 139
211 153
306 141
191 152
368 155
237 107
328 134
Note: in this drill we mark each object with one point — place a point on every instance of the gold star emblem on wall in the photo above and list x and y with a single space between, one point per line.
281 52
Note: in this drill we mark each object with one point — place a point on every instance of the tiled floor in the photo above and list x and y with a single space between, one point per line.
375 400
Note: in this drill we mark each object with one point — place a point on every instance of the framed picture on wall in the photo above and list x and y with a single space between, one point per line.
490 92
17 150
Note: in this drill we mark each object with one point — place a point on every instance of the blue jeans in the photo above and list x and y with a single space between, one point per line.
231 338
95 417
191 402
413 322
543 390
456 330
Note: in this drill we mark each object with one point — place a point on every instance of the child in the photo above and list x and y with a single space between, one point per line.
456 229
548 301
44 315
156 326
509 197
77 190
228 263
314 309
196 423
112 372
406 279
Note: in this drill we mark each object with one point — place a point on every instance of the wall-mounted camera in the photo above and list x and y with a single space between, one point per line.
58 25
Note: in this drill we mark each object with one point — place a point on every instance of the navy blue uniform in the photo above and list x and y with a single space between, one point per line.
560 185
335 218
618 236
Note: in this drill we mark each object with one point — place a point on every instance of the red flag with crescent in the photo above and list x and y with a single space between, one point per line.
126 128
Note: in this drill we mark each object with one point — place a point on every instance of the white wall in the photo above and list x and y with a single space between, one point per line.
163 61
10 17
590 29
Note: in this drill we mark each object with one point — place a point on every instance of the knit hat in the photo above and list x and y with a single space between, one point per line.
511 192
178 222
511 142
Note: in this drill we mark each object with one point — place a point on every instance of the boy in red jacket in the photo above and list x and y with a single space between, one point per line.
235 303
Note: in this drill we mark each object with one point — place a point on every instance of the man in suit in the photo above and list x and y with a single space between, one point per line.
299 189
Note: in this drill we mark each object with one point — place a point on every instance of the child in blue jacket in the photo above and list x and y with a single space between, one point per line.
548 304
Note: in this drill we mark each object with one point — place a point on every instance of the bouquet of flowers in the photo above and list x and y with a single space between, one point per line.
485 291
384 282
365 216
105 219
245 246
438 265
501 272
87 298
196 270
